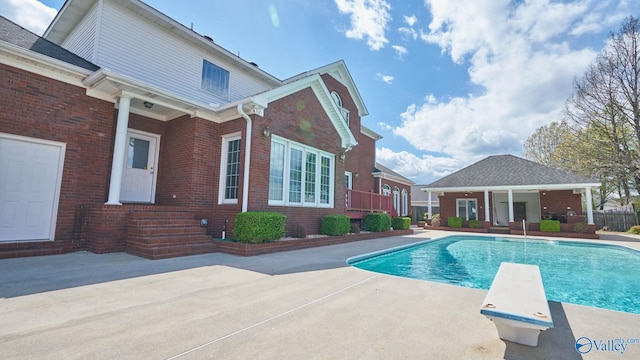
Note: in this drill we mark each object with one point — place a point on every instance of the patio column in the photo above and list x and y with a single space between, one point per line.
120 143
429 205
589 202
486 206
511 217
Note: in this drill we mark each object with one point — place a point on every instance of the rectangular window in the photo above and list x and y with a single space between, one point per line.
215 79
276 172
230 169
295 176
310 178
300 175
325 180
467 209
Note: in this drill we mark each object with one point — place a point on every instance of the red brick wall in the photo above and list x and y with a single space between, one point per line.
42 108
448 204
401 187
300 118
557 202
360 159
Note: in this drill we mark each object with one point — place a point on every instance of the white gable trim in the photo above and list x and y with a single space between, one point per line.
324 96
338 70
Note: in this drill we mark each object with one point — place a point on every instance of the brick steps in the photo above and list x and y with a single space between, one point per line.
165 234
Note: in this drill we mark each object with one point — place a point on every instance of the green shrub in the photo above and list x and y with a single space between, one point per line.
454 222
549 225
377 222
634 230
335 225
425 216
259 227
401 223
475 224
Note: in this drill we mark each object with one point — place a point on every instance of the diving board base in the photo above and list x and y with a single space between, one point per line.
516 331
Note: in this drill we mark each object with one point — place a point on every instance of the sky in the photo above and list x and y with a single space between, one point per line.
446 83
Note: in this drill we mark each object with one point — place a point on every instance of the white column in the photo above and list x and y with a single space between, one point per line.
429 209
119 147
511 217
589 202
486 206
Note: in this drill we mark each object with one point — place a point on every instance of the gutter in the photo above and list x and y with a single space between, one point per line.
247 160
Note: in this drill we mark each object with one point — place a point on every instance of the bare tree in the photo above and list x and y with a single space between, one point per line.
604 112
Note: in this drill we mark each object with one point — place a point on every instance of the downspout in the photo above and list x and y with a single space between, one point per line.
247 160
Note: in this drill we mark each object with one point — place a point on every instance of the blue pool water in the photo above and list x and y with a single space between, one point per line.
604 276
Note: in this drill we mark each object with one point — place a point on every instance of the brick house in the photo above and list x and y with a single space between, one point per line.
112 145
502 191
391 183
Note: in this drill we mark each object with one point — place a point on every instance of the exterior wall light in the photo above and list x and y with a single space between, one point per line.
266 132
342 156
148 105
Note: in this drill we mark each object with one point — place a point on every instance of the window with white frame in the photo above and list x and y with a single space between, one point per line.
348 179
467 209
230 169
345 113
215 79
405 202
386 190
300 175
396 199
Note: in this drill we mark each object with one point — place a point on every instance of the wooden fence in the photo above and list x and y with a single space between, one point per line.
614 220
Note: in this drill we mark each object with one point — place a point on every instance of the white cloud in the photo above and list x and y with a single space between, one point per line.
422 170
521 61
384 126
401 51
30 14
369 20
410 20
386 78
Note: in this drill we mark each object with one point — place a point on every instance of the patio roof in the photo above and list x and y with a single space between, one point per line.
502 172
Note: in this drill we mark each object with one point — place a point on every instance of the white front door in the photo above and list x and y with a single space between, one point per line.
30 177
140 163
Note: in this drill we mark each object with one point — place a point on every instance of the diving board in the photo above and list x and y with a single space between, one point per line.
517 304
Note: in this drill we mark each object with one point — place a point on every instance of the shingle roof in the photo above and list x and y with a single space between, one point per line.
383 169
15 34
508 170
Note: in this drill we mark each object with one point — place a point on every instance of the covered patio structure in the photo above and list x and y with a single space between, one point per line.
508 192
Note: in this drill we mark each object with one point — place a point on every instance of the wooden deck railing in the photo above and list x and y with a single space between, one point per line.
368 201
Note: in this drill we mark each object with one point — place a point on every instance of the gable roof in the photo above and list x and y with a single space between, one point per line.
508 171
15 34
340 72
386 173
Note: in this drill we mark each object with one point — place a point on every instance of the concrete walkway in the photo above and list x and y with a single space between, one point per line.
305 304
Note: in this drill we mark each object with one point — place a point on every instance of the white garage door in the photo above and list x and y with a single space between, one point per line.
30 173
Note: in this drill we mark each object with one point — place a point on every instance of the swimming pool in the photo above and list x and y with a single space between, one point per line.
599 275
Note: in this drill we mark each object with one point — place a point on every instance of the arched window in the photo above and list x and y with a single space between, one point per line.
386 190
405 202
396 199
338 100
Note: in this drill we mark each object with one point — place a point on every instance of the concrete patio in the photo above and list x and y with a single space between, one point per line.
304 304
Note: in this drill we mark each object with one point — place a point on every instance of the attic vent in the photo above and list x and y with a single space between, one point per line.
208 37
254 64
